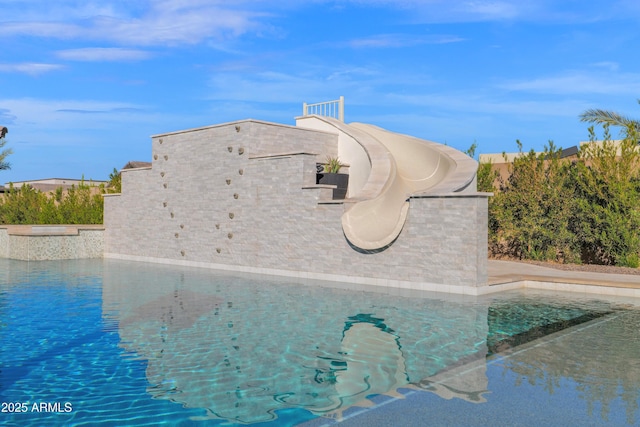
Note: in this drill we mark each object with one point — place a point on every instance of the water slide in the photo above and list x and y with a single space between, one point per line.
397 167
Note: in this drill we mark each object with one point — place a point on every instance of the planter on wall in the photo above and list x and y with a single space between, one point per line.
340 180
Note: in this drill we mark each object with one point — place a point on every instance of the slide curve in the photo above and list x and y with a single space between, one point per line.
416 167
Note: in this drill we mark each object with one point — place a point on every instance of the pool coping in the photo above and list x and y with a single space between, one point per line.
507 275
502 276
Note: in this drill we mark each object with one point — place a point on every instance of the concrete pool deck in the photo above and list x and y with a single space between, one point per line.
505 275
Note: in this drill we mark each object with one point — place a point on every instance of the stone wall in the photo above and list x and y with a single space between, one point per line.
242 196
34 242
4 243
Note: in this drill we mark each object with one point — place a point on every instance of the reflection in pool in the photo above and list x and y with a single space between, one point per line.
141 343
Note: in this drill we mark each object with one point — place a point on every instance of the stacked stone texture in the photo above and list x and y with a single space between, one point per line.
243 196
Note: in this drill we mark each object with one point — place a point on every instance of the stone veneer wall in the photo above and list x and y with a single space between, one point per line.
33 243
4 243
242 196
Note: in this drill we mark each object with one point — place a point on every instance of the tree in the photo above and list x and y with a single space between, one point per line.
630 127
115 182
4 165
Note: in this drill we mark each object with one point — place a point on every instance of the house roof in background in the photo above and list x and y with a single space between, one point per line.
134 164
50 184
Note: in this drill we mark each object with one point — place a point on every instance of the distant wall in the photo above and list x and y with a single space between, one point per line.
51 242
242 196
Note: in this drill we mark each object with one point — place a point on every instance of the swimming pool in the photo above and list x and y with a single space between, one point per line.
107 342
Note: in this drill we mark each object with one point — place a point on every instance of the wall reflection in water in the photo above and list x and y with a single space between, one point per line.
243 348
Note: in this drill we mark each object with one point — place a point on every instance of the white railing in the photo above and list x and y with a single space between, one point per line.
333 109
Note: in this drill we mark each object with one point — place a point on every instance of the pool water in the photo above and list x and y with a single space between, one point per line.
108 342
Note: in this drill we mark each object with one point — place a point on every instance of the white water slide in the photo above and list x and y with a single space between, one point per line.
385 170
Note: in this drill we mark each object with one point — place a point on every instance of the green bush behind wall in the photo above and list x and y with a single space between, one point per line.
579 210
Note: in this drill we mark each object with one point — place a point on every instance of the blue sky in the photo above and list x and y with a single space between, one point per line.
84 84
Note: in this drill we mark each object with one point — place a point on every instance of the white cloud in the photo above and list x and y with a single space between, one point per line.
69 114
263 87
401 40
151 23
179 22
490 10
580 82
544 11
40 29
103 54
489 104
437 11
31 68
71 117
608 65
313 84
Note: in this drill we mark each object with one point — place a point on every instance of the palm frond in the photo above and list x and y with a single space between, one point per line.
611 118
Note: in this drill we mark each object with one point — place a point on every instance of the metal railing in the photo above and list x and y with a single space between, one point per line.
333 109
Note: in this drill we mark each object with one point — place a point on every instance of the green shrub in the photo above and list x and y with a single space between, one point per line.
485 175
607 192
585 209
25 205
530 215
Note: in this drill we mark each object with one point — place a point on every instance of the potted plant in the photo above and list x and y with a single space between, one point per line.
330 174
